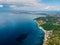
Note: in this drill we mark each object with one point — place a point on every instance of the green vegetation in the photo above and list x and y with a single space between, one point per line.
55 39
51 23
50 26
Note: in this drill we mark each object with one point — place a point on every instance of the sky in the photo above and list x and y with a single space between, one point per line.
29 5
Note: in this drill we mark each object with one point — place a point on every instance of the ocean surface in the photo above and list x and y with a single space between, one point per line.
20 29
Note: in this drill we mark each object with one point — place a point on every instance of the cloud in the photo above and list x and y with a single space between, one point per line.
18 1
35 7
28 5
52 8
1 6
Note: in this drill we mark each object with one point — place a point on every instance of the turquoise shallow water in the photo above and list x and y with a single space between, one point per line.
19 29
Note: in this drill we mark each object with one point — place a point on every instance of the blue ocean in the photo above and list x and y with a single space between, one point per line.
20 29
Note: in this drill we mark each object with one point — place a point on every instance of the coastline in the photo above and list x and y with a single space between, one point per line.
45 37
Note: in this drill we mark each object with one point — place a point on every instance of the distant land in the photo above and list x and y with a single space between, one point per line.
51 13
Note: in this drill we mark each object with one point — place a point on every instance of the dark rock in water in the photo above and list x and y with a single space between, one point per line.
22 37
19 30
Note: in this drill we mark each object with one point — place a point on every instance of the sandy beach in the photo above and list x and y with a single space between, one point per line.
45 37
